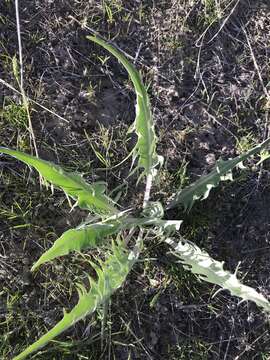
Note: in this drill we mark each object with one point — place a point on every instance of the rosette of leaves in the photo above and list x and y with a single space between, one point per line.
112 272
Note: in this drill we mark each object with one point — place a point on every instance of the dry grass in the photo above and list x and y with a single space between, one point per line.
206 62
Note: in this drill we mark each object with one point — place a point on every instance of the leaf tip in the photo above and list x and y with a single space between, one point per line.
35 266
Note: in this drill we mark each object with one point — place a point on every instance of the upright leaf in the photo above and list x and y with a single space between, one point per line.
210 270
200 189
145 148
111 274
88 196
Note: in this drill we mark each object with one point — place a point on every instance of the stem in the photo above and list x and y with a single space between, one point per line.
139 241
148 186
19 42
24 97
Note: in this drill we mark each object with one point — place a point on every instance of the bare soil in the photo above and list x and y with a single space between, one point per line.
207 66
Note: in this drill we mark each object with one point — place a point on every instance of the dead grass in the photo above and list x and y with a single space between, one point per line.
206 63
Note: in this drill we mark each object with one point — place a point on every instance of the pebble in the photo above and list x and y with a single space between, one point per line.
210 159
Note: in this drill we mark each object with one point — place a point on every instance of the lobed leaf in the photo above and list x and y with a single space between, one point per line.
200 189
78 239
93 235
90 197
210 270
145 148
111 274
153 210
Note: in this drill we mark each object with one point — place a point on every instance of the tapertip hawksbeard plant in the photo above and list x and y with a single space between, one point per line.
112 272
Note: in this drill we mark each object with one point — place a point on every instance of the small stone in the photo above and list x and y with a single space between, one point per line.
210 159
204 145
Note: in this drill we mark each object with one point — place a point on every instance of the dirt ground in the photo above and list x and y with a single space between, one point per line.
207 66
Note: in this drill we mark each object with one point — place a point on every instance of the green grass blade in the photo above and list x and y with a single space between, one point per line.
201 188
210 270
90 197
145 148
111 274
90 236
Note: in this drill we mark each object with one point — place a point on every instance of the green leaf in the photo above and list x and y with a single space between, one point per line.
90 197
264 155
92 235
145 148
200 189
210 270
89 236
153 209
111 274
